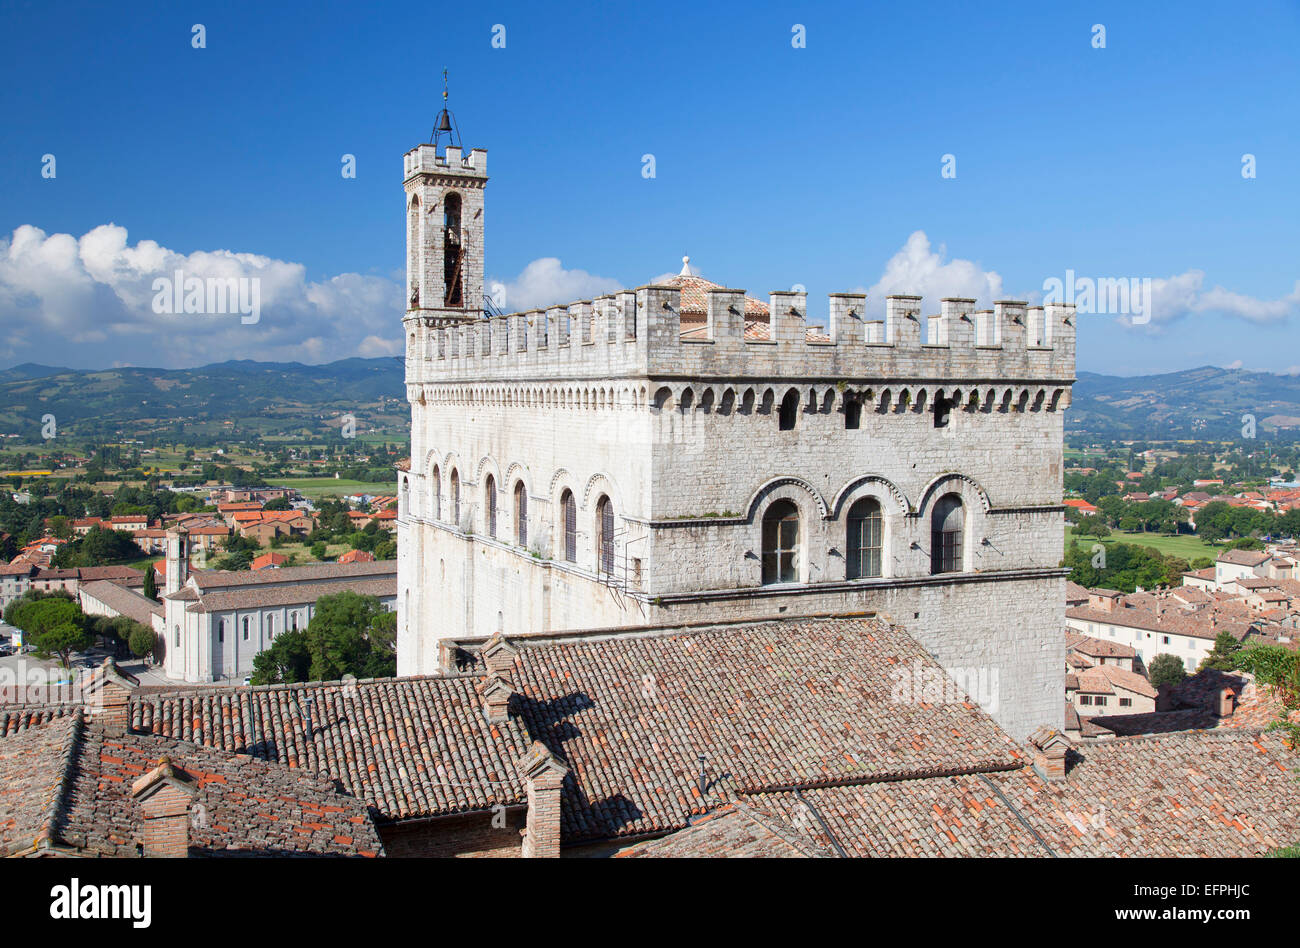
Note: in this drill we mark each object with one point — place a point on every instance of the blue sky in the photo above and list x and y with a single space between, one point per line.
774 165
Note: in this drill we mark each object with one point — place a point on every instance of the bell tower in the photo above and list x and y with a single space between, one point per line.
444 228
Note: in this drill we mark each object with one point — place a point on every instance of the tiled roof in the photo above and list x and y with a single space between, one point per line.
411 747
695 297
1098 648
1243 557
736 830
123 601
1174 620
945 816
256 597
768 705
1198 793
32 769
207 579
67 784
1075 593
1188 794
1105 679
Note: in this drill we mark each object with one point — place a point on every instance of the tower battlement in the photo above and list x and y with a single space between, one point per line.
424 159
638 332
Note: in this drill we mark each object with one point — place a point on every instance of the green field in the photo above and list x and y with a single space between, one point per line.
1187 546
315 487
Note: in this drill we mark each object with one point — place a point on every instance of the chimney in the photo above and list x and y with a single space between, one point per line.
499 657
496 692
165 796
1227 702
544 774
1049 748
108 696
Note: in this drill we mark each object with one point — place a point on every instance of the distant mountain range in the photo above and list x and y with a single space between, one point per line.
227 398
272 398
1208 402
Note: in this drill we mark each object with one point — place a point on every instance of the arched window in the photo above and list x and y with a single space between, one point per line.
947 525
789 411
605 536
176 634
781 543
451 251
270 627
221 630
490 505
521 513
435 490
455 498
293 621
569 513
413 252
864 540
247 620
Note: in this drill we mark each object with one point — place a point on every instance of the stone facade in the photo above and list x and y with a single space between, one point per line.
601 412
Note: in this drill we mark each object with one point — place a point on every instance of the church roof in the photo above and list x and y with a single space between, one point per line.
694 310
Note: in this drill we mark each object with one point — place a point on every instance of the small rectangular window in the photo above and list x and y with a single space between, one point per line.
1125 702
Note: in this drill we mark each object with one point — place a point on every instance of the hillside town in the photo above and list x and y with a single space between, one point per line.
850 623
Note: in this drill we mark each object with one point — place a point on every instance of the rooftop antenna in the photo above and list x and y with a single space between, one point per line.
446 124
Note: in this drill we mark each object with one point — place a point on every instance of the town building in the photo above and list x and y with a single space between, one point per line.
622 462
216 622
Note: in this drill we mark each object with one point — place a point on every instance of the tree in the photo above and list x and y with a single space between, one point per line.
142 640
150 583
1166 669
277 503
340 634
318 550
62 640
1223 657
1278 667
234 562
286 661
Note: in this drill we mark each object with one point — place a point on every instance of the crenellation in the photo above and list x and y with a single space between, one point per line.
903 321
789 314
726 317
1010 318
635 333
846 323
424 159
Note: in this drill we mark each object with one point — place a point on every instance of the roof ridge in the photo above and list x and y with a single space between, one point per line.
55 814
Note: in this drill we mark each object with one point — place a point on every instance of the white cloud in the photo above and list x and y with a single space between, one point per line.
88 302
919 270
545 282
